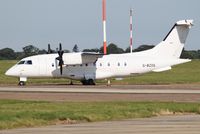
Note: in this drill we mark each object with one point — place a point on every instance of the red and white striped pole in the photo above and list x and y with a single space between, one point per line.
104 27
131 30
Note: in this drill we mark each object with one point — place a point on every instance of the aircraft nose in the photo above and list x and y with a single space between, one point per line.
10 72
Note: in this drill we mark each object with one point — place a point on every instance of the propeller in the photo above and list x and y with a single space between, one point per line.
60 58
49 51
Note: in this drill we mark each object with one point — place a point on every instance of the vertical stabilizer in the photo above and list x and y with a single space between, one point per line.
173 43
179 32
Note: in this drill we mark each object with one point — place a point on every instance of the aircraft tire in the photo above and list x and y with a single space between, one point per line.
91 82
88 82
84 82
21 83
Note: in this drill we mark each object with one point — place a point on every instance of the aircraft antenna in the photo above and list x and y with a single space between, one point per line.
104 26
131 30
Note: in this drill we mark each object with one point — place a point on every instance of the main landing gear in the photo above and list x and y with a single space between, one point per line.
88 82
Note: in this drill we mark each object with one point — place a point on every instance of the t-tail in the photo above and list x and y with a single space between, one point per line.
172 45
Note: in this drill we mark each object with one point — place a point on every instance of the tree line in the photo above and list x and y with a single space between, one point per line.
30 50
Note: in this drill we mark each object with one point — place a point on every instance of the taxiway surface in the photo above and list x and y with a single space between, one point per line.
177 93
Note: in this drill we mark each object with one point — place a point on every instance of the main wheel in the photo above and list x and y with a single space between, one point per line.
84 82
21 83
88 82
91 82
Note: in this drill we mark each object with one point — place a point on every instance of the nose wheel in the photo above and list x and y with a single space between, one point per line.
21 83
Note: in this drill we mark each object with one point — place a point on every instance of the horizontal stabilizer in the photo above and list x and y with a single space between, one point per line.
185 22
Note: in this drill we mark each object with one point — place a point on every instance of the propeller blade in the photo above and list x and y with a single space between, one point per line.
61 53
60 58
49 51
61 69
60 47
49 47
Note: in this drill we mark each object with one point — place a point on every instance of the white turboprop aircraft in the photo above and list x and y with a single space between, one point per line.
88 67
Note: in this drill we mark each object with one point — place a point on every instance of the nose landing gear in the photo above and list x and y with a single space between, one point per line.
21 83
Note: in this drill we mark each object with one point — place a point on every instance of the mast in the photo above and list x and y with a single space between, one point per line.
104 27
131 30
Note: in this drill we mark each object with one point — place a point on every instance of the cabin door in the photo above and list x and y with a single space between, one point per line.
42 67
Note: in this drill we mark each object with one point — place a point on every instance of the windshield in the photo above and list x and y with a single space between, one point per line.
27 62
21 62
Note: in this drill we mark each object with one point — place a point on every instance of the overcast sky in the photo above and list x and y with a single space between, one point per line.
39 22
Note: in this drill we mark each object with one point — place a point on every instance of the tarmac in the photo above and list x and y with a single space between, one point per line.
163 93
99 90
176 124
182 124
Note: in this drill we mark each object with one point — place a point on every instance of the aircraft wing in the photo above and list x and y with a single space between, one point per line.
88 57
81 58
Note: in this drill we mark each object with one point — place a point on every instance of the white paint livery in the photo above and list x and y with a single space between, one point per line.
88 67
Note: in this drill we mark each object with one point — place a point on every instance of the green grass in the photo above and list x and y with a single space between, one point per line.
16 114
188 73
5 65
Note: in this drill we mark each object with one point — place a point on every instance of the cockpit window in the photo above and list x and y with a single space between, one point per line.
21 62
27 62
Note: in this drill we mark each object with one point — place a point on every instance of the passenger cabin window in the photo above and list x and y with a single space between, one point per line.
118 64
108 64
